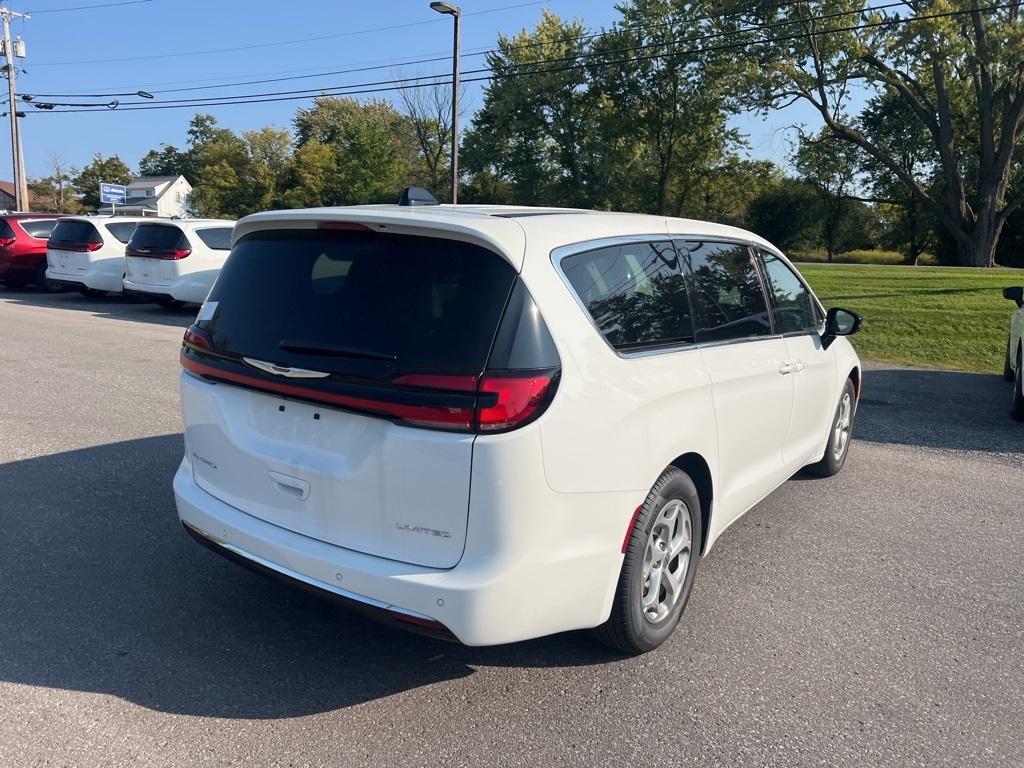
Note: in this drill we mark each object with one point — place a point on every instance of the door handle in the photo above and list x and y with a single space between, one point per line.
798 365
289 486
787 368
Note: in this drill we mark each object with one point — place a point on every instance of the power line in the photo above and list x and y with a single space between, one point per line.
277 43
90 7
391 85
405 82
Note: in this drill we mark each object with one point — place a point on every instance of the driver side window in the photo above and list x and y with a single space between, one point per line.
794 310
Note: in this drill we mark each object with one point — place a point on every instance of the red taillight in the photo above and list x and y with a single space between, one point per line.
170 253
519 399
439 381
195 337
83 247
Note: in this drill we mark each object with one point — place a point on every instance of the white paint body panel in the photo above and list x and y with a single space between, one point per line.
545 505
189 279
100 270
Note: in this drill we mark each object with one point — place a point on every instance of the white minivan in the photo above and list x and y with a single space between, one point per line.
496 423
87 252
176 261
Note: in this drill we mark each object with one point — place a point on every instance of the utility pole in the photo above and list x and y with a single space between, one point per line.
20 180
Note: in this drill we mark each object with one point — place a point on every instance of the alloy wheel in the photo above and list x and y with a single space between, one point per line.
666 560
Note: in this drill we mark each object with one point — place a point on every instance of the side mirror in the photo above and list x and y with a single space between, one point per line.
839 322
1015 294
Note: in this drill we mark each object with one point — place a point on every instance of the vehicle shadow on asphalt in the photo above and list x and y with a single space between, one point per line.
938 409
112 305
103 592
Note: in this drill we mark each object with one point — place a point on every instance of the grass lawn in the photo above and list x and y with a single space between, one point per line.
933 317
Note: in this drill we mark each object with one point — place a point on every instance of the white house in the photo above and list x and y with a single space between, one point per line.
154 196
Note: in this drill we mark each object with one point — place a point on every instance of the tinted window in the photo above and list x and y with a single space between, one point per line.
793 308
5 230
40 228
218 238
635 293
157 237
728 300
122 230
368 305
74 232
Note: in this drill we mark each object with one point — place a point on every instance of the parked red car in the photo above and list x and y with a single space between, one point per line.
23 238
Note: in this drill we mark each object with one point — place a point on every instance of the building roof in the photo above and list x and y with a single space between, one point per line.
153 179
7 187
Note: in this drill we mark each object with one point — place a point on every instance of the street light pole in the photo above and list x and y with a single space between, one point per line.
20 184
455 12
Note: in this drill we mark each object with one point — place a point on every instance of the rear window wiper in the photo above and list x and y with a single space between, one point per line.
332 350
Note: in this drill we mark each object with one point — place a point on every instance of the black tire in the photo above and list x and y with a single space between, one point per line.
15 283
1017 401
629 627
91 293
42 282
168 303
835 455
1007 368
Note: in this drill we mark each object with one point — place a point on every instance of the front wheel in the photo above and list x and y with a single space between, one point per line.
1017 403
659 568
839 435
1007 368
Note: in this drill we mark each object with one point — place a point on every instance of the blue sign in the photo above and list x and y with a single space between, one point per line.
113 193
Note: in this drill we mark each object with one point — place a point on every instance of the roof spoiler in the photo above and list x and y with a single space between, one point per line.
416 196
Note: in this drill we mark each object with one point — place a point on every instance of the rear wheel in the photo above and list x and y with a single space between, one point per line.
659 567
1017 402
91 293
168 303
42 282
1007 368
839 435
15 282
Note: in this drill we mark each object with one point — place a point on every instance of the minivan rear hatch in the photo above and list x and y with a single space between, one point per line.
331 385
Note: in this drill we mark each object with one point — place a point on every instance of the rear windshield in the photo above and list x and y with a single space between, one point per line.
122 230
218 238
157 237
369 305
40 228
71 232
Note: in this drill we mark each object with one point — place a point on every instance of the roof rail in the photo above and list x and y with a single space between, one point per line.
416 196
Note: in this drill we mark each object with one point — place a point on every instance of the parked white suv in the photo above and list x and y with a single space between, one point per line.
87 252
496 423
173 262
1013 368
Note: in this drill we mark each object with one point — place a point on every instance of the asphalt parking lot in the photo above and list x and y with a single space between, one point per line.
873 619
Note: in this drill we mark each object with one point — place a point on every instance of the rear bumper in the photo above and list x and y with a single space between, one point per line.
98 278
496 594
192 288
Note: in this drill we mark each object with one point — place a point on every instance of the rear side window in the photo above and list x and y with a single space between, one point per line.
218 238
71 232
793 307
635 293
6 233
157 237
728 300
40 228
369 305
122 230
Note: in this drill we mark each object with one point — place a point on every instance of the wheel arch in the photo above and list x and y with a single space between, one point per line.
855 377
695 465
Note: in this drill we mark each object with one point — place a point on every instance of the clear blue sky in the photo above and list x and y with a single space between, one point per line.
164 44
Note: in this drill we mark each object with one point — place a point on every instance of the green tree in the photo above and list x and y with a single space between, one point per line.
962 77
311 171
788 214
830 166
166 161
111 170
535 131
269 154
374 147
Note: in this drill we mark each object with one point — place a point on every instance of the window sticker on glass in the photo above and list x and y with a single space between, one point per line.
206 311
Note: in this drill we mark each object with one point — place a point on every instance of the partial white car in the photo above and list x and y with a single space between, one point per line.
87 252
1013 368
496 423
176 261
